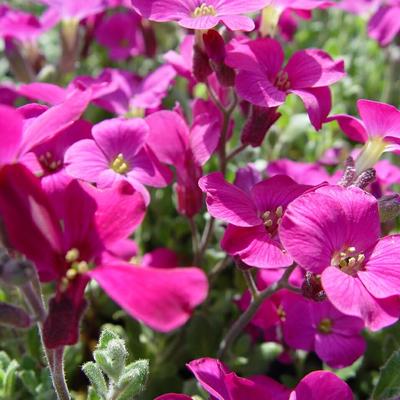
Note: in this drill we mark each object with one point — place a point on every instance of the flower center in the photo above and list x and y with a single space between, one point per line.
281 313
349 261
48 162
119 165
282 80
76 267
272 219
204 10
325 325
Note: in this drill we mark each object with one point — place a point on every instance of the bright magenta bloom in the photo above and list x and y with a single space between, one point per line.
118 152
320 327
199 14
335 232
222 384
379 129
385 23
264 82
253 217
187 149
73 244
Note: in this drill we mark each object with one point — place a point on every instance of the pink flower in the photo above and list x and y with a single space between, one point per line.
325 232
222 384
262 80
120 33
187 149
118 152
379 129
385 23
71 247
301 172
319 385
198 14
253 217
320 327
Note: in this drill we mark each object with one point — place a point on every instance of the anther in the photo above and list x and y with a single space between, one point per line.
72 255
279 211
268 223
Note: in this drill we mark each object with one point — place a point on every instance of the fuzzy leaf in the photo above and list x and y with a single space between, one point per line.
96 378
388 386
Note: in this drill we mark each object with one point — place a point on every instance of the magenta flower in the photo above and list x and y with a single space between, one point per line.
187 149
320 327
198 14
379 129
325 232
118 152
253 217
301 172
262 81
120 34
385 23
222 384
70 247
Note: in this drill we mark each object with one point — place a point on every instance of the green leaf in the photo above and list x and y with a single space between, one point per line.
28 378
388 386
134 379
96 378
10 378
105 337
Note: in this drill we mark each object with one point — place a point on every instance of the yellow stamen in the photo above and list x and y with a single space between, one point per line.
266 215
82 267
71 273
325 326
279 211
119 164
268 223
204 10
351 249
72 255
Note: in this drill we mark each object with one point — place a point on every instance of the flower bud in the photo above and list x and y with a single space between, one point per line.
257 125
349 174
365 178
201 64
14 317
189 199
312 287
389 207
16 272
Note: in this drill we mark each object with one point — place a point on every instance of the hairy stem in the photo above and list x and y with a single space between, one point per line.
58 375
247 316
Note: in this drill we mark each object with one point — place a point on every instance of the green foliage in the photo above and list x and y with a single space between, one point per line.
388 386
124 382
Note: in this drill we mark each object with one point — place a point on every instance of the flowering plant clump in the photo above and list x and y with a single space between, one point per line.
199 199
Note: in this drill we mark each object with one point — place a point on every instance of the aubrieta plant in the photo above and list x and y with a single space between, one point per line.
199 200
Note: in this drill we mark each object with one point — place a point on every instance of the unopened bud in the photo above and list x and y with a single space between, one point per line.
312 287
201 64
389 207
16 272
349 173
257 125
365 178
14 317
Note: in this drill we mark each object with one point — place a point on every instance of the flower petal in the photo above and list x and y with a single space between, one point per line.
353 128
227 202
11 134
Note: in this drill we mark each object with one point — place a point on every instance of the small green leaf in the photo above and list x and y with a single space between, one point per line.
10 378
388 386
96 378
29 380
105 337
134 379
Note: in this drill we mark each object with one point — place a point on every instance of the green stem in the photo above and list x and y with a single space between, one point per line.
248 277
195 240
248 315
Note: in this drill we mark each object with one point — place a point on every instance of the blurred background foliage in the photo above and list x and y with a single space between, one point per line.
369 75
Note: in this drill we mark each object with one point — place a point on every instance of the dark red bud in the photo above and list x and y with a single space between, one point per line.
257 125
214 45
201 64
312 287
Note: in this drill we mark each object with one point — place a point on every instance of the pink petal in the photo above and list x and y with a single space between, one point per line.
84 160
55 119
163 10
11 134
350 296
238 22
202 23
233 7
160 258
320 385
380 119
211 374
112 224
277 191
339 351
254 246
381 273
245 389
168 137
120 136
385 24
164 299
173 396
317 102
46 92
262 55
227 202
30 223
313 68
351 126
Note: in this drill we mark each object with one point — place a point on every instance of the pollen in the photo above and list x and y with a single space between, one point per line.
48 162
204 10
279 211
119 165
72 255
325 325
348 261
